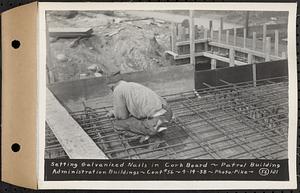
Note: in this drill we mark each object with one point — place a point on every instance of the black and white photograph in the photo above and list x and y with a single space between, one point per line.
171 84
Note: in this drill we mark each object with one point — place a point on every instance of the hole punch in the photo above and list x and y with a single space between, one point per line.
15 147
15 44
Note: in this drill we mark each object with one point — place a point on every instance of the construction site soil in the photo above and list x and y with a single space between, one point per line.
119 44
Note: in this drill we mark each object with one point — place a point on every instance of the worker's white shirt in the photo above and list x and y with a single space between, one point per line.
135 99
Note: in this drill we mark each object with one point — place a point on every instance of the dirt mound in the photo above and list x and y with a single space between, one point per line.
115 47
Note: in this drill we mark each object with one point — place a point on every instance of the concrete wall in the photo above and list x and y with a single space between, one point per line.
241 73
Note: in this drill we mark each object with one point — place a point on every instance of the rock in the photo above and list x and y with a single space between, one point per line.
61 58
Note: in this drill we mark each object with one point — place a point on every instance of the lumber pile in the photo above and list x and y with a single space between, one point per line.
70 32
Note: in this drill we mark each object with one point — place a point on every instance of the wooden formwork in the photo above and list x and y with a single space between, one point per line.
224 45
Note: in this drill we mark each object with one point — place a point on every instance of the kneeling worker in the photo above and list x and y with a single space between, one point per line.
138 109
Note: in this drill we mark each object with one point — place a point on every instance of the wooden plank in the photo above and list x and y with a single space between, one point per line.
75 141
244 50
223 59
192 38
276 43
231 57
171 53
70 32
184 56
184 43
254 41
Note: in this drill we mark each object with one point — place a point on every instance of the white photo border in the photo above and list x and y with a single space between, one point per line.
168 185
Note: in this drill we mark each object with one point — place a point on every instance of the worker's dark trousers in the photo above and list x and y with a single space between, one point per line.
143 126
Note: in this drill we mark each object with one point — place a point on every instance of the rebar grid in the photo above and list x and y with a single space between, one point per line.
230 121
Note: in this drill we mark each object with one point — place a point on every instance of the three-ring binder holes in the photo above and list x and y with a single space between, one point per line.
15 44
15 147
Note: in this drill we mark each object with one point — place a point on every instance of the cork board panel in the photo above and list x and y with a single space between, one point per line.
19 75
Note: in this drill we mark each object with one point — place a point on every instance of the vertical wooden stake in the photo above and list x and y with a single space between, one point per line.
234 36
245 38
227 37
192 38
276 43
197 32
250 58
254 41
206 38
264 36
173 37
254 74
221 23
211 30
231 57
213 63
268 49
220 35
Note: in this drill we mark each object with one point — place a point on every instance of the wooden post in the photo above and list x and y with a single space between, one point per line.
206 38
249 58
264 36
234 36
211 30
276 43
268 49
254 41
192 38
247 23
254 74
245 38
221 23
231 57
227 37
220 35
213 63
197 32
173 37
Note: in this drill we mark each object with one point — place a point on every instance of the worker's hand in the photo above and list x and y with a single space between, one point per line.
110 114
